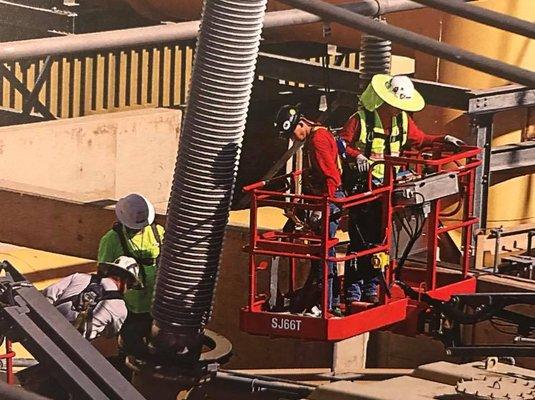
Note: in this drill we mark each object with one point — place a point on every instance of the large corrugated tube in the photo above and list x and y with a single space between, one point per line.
205 171
374 58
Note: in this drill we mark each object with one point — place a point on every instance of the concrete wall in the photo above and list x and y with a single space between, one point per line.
94 157
74 228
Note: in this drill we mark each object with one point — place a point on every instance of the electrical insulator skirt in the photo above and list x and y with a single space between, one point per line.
375 56
207 162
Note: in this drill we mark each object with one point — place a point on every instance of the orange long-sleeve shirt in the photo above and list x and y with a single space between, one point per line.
323 153
416 137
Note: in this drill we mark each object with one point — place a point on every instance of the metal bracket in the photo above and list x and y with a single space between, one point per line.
33 98
26 94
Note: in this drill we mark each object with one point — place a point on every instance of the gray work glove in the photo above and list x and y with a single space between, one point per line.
453 141
362 163
314 221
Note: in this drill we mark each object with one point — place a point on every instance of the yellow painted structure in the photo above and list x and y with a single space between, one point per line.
511 201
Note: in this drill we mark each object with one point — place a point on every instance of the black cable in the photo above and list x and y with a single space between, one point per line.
413 237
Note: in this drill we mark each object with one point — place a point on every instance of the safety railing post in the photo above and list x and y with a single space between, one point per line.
252 260
324 263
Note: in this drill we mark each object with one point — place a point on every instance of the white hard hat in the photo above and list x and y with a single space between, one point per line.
134 211
123 266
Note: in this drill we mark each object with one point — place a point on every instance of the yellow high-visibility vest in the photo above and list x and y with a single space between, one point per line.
373 144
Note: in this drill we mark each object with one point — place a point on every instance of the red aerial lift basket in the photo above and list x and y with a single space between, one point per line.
314 244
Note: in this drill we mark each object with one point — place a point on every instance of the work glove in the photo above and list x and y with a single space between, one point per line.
362 163
314 220
453 141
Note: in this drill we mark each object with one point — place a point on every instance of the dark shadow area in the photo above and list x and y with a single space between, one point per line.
61 272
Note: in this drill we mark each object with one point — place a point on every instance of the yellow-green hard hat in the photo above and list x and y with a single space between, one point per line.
398 91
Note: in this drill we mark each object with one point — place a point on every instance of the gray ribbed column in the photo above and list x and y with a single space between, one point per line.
205 171
374 58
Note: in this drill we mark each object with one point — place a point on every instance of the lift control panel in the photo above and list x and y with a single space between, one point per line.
426 189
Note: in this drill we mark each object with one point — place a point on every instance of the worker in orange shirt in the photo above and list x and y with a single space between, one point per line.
381 126
323 177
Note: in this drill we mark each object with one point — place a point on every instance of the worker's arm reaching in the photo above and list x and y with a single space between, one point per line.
54 292
416 137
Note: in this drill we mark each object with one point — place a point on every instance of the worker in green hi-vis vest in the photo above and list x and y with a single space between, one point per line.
383 125
136 235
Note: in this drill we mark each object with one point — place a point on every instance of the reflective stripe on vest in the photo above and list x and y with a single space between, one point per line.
397 139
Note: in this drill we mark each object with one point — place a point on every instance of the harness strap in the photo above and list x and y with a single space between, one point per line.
370 132
94 279
85 322
159 240
118 228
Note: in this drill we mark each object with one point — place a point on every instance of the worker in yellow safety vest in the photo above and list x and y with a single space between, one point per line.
382 125
136 235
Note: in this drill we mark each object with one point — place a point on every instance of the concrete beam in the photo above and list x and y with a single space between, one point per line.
95 157
52 223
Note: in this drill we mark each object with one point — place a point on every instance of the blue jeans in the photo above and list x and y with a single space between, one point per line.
360 278
333 285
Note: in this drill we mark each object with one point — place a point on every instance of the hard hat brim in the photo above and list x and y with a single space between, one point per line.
115 269
415 103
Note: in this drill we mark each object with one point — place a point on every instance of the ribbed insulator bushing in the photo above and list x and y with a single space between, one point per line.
207 162
374 58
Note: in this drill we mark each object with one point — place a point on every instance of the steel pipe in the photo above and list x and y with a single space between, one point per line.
421 42
484 16
252 384
124 38
205 173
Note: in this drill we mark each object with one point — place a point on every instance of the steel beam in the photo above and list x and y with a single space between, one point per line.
422 43
48 352
481 127
33 97
169 33
346 80
343 79
500 99
31 319
513 156
59 332
484 16
23 90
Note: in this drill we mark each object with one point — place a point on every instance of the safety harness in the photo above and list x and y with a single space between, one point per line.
142 261
374 143
313 181
85 302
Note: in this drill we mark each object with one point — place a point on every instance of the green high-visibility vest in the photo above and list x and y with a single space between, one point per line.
374 143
